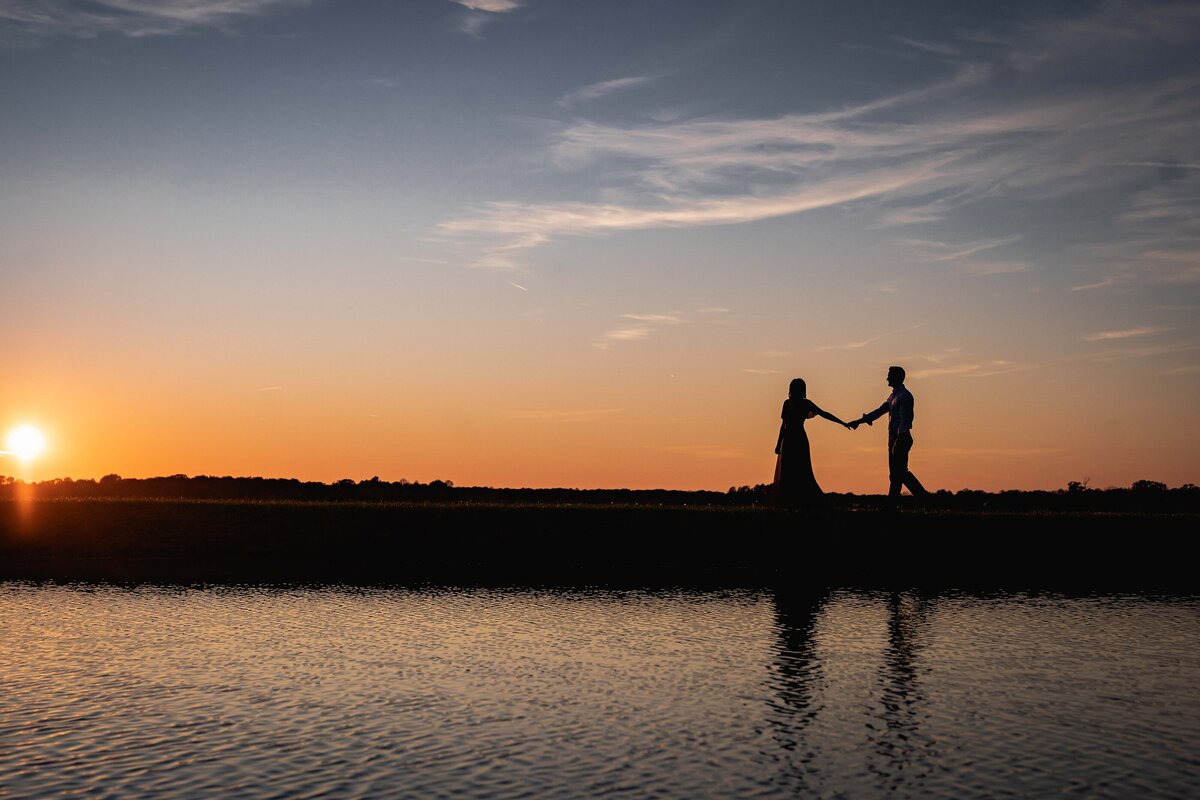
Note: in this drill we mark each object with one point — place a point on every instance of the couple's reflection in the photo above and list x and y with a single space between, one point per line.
896 751
900 752
798 675
796 663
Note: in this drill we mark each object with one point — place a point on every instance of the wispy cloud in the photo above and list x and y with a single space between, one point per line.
134 18
929 47
930 211
1161 247
864 342
946 251
1142 351
646 325
624 335
515 226
1013 122
594 91
919 215
668 319
983 369
936 358
961 257
757 371
481 13
960 369
1175 266
490 6
1107 280
993 267
1128 333
1168 165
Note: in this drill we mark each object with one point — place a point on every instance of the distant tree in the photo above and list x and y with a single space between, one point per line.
1078 486
1148 486
110 479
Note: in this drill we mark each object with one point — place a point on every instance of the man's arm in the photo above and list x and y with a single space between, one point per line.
823 413
870 416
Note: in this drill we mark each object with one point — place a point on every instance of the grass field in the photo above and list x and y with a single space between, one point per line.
213 541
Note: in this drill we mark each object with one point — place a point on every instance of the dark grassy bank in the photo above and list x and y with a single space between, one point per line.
1144 496
215 541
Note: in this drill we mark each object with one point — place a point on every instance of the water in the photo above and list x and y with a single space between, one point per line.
343 692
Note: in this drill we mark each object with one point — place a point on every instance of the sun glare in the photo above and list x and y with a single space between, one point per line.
25 442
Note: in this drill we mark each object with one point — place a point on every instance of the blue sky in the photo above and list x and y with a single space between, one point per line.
585 209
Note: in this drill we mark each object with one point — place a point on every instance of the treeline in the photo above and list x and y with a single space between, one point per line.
1141 496
373 490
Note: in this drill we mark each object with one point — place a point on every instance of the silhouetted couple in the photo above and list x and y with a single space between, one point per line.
796 485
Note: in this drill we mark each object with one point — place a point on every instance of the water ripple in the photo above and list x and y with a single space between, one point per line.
349 692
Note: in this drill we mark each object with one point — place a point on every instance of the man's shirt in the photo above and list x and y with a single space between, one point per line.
898 407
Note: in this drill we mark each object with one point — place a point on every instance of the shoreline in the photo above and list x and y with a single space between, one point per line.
212 541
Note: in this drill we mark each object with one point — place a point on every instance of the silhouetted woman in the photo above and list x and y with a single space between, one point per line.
795 484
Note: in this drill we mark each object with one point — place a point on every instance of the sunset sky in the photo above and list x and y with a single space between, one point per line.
587 244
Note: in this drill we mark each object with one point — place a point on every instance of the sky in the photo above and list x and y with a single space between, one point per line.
558 243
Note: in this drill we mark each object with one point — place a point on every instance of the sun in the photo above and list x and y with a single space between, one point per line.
25 442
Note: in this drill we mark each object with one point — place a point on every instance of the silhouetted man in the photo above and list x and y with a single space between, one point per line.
899 408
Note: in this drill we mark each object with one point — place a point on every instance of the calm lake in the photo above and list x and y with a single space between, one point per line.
484 693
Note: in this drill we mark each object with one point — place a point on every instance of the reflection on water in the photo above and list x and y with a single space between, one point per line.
342 692
795 701
901 749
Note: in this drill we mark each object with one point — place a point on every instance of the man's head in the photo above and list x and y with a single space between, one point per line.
895 376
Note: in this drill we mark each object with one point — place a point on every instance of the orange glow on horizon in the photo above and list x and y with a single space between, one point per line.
654 432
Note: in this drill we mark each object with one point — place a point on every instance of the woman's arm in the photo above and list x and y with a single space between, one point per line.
822 413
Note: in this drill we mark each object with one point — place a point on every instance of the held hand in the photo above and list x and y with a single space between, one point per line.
854 425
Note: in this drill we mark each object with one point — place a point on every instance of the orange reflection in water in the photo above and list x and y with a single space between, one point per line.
24 495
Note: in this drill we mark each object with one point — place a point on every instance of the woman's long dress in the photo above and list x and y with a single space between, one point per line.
795 483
